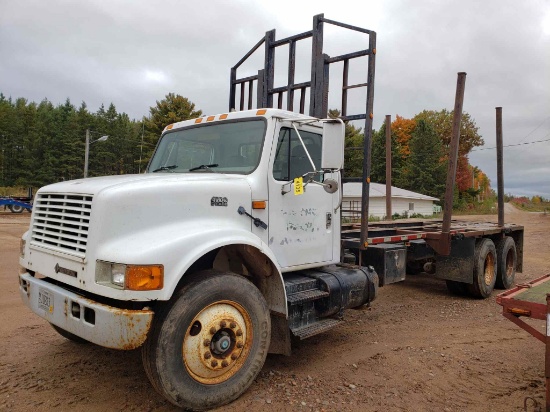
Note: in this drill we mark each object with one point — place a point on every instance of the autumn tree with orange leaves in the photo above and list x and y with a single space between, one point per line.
470 182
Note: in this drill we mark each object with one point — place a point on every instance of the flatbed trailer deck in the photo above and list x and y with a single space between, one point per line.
395 231
531 300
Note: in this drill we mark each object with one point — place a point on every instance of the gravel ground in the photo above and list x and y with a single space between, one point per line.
415 348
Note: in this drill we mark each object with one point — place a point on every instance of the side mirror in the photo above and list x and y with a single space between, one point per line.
333 144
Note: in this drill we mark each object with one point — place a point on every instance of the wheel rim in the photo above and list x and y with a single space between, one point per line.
489 269
510 266
217 342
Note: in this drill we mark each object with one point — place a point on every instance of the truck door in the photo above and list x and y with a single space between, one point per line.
300 226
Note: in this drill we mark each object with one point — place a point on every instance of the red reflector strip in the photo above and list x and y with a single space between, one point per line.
392 239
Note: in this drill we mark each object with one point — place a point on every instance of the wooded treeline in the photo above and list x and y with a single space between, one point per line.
41 143
419 158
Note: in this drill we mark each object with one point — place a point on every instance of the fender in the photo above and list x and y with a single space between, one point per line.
178 246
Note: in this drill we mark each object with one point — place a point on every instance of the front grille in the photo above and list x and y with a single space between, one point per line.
61 222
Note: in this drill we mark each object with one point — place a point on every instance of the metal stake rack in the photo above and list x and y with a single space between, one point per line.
318 88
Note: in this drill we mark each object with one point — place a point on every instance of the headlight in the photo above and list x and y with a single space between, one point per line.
129 277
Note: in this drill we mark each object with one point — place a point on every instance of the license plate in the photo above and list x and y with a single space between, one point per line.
45 300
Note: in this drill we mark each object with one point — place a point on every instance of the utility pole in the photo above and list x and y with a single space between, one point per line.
388 168
86 153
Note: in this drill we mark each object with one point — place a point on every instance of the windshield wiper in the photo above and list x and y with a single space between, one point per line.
165 168
207 167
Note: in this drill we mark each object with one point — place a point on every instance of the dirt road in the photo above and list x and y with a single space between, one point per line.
417 348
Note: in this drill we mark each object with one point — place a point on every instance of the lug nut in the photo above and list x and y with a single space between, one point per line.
224 363
206 342
212 330
239 345
223 324
214 363
207 355
239 333
233 356
232 325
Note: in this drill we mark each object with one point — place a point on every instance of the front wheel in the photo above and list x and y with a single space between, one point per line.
207 346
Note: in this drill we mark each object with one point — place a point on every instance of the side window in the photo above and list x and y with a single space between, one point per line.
290 157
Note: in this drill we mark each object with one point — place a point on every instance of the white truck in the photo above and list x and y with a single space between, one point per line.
230 245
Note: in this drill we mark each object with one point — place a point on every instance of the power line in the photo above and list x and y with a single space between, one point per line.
534 130
512 145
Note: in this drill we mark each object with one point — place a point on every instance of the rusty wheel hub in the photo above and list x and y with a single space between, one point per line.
489 269
217 342
509 263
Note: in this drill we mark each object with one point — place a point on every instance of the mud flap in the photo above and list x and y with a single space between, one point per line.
459 265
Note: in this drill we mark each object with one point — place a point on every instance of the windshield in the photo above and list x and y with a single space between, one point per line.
227 147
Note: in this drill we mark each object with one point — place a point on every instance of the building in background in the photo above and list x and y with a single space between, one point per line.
403 201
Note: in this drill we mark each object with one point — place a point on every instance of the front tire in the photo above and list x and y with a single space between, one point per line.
485 269
208 344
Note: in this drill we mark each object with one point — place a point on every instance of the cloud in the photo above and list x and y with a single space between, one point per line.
133 53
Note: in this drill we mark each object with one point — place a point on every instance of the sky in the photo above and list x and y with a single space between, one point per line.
134 52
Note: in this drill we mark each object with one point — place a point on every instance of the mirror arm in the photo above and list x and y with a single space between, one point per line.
341 193
304 146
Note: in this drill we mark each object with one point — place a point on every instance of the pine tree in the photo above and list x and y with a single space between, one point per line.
424 171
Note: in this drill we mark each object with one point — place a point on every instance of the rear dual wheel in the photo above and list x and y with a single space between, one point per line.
485 269
507 261
207 346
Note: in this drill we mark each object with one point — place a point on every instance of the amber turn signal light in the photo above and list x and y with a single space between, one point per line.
150 277
259 204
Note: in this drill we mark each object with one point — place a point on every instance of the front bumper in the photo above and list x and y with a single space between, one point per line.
101 324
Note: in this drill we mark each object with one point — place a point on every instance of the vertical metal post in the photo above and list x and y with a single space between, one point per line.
317 67
241 105
388 168
322 111
86 153
261 102
547 354
500 172
345 76
453 158
250 93
302 100
232 87
367 143
291 73
269 68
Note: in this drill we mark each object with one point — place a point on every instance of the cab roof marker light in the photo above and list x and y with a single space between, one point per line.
210 118
199 120
223 116
170 126
261 112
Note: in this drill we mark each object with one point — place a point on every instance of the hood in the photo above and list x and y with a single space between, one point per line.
95 185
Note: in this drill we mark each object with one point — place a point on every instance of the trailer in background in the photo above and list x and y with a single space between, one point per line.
16 204
531 300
